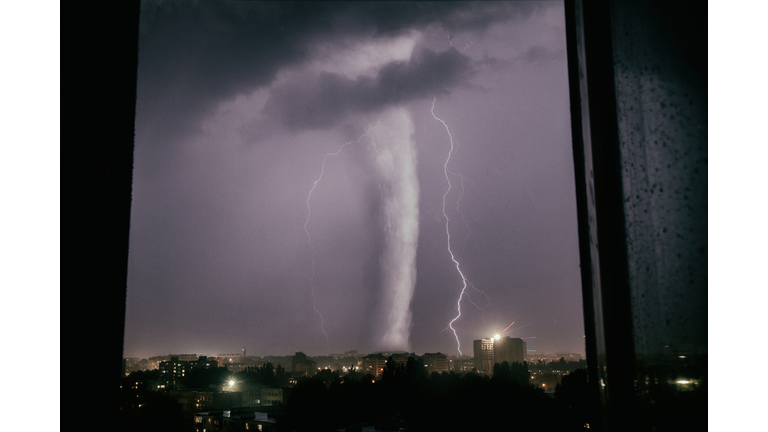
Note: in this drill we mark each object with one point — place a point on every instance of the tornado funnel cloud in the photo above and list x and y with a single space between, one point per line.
394 155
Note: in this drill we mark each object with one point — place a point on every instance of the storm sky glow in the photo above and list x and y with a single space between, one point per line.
309 218
254 224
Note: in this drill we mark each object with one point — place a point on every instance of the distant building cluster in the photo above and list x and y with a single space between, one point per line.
249 406
535 357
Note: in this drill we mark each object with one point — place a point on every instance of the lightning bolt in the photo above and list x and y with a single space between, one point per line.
448 231
458 202
309 216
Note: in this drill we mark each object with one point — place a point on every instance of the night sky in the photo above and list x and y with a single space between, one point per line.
413 113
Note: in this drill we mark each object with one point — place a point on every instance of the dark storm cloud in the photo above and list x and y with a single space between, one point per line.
393 17
315 104
203 53
540 53
533 54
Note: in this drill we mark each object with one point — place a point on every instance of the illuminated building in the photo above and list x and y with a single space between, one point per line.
484 355
175 368
153 363
374 364
435 362
251 393
462 363
193 401
498 350
235 418
254 395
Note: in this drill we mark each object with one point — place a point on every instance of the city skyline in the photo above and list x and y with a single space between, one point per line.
320 178
234 353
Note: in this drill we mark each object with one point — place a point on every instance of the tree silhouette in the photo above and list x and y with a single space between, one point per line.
310 408
405 396
511 373
267 374
572 395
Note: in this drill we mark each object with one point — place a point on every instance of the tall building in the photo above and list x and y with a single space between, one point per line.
509 349
484 355
498 350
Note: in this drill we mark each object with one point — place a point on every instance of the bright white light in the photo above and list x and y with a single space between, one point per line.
683 382
231 383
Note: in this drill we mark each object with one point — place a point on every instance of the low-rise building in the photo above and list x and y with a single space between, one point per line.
373 364
174 369
462 363
435 362
234 419
196 400
271 396
254 395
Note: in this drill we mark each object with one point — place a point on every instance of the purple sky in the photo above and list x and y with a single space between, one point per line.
238 105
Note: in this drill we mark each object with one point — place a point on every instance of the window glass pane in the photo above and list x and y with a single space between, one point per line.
332 176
